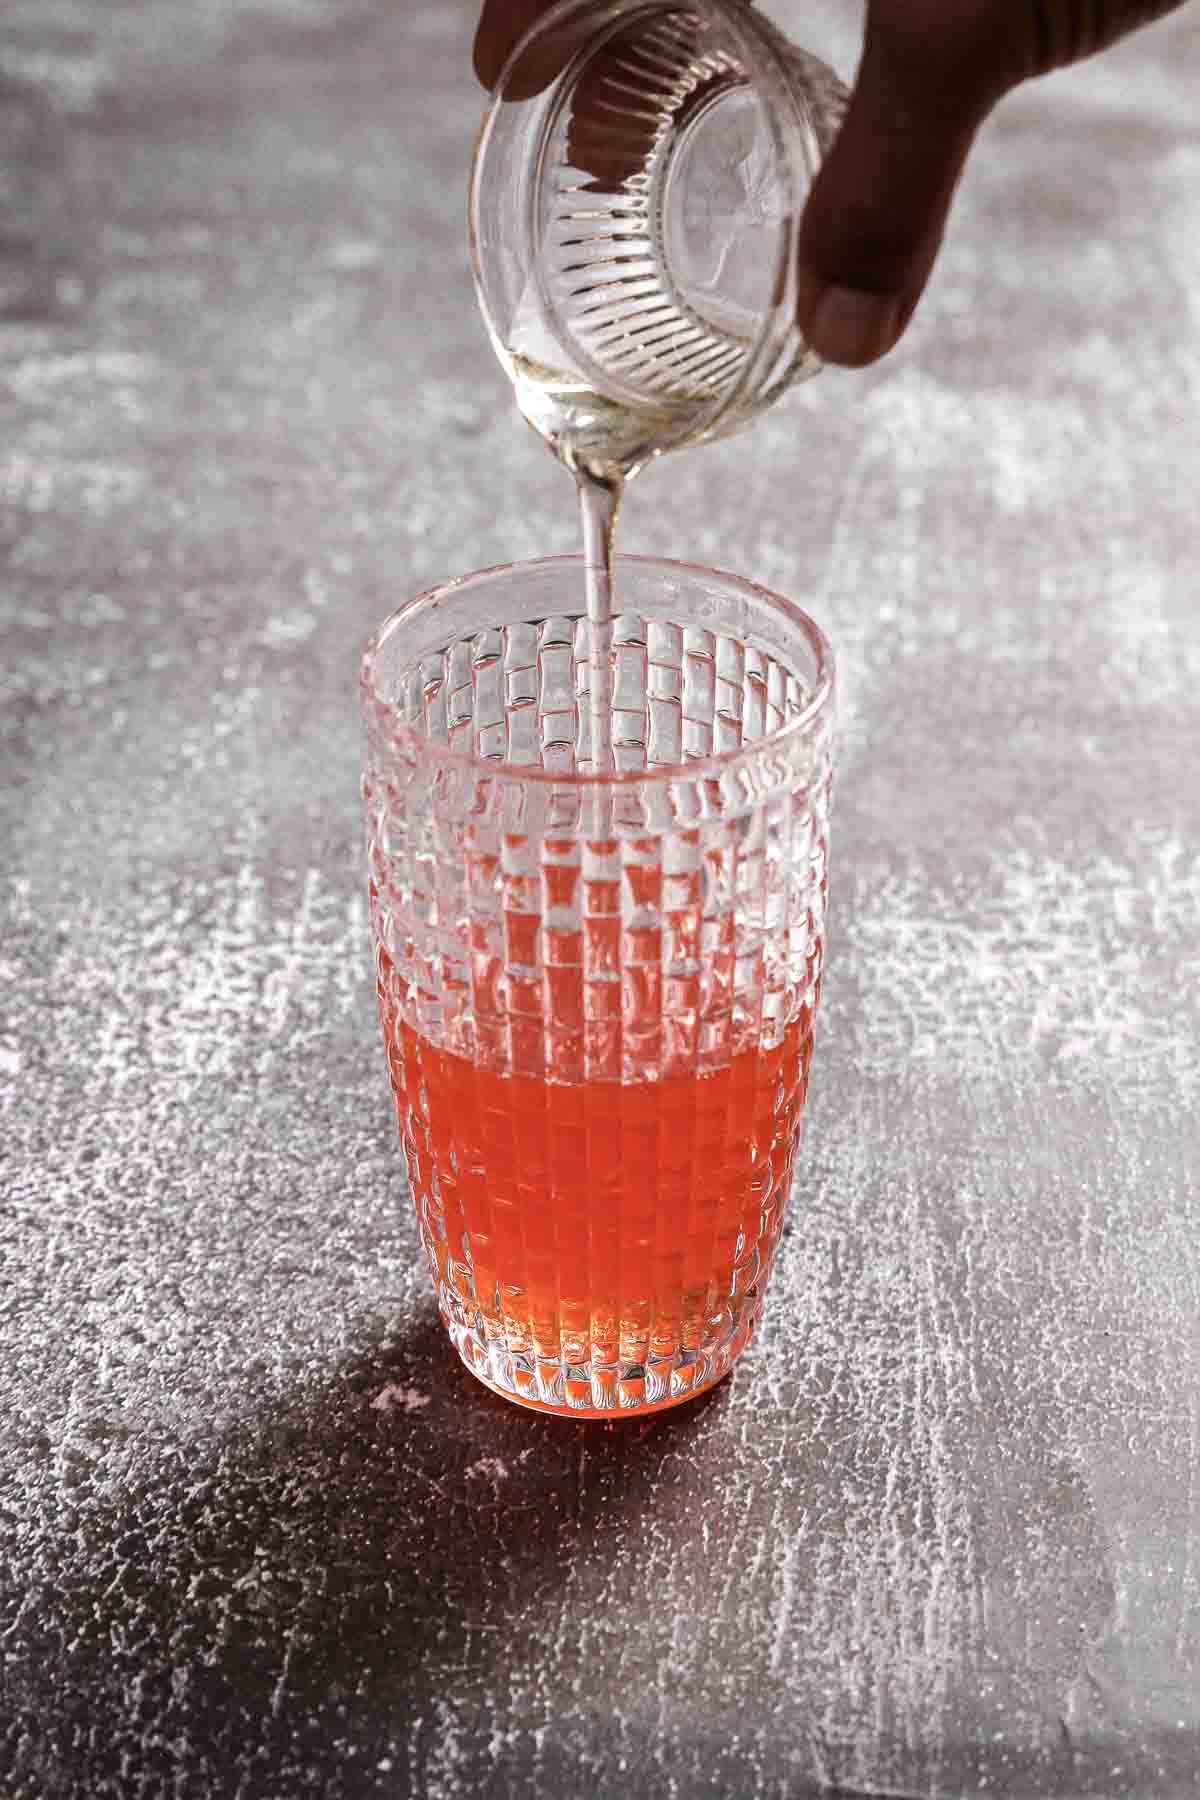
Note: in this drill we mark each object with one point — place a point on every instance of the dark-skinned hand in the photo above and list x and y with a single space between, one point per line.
931 72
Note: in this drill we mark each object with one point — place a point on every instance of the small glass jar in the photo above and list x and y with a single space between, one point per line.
636 199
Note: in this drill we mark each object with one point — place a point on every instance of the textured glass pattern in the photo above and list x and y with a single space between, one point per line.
598 996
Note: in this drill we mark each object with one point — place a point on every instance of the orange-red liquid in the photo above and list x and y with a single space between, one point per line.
596 1221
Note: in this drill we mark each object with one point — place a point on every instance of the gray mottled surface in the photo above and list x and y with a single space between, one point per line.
259 1536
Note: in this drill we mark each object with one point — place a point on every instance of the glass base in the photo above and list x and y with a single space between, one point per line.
622 1390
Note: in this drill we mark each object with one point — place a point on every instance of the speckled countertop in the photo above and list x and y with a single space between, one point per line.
259 1536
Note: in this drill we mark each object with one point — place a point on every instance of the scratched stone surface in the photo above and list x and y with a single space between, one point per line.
259 1535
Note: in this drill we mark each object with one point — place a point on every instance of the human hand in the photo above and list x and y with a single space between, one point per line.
931 72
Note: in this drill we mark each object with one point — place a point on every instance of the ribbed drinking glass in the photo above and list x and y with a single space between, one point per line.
598 993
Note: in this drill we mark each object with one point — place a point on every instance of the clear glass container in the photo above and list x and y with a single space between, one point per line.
598 993
635 209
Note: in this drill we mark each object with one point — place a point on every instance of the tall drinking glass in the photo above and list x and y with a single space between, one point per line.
598 993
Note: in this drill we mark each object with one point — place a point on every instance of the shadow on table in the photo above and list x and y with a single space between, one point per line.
321 1601
310 1587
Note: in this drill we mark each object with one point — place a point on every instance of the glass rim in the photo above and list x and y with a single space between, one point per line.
703 768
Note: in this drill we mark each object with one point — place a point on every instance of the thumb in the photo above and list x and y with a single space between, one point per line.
875 218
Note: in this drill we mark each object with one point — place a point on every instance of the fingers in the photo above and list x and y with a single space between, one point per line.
502 25
874 221
931 72
1065 33
611 124
614 113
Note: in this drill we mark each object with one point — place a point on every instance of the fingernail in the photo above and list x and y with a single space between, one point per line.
852 327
